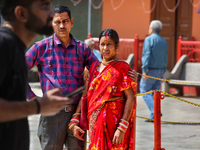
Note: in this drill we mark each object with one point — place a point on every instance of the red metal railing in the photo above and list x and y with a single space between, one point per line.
126 47
157 120
190 48
138 46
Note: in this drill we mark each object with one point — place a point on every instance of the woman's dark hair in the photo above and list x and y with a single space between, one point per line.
111 34
60 9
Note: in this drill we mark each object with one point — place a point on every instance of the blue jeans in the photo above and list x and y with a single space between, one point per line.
151 84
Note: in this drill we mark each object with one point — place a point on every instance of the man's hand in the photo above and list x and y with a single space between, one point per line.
78 132
118 137
51 104
143 76
133 75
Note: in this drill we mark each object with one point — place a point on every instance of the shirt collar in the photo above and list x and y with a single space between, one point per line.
57 41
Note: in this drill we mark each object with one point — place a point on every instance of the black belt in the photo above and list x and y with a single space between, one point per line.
69 108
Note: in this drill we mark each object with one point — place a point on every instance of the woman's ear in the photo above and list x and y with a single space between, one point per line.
21 13
117 46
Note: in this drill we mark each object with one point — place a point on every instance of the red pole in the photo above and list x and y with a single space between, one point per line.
179 48
89 36
134 125
157 121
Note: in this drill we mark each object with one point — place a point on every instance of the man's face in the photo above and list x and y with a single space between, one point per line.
40 17
62 24
150 31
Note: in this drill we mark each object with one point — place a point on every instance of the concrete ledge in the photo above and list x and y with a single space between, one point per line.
35 84
184 82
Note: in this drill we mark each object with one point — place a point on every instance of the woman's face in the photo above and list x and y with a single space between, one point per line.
108 48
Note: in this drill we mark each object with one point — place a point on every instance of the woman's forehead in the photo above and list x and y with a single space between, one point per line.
106 38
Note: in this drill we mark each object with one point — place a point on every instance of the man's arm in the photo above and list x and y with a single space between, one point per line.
89 57
146 54
31 61
49 104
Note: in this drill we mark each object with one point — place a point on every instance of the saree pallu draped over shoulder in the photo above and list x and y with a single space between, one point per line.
106 102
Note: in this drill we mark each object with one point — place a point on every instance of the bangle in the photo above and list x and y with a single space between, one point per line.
77 114
121 129
124 121
72 125
123 125
38 106
74 121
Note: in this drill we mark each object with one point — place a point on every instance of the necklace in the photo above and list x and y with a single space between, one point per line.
105 63
8 26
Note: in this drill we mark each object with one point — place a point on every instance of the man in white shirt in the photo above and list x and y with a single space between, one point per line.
97 53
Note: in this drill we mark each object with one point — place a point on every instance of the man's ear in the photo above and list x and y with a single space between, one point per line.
21 13
72 22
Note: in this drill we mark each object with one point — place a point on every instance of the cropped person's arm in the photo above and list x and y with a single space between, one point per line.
16 110
49 104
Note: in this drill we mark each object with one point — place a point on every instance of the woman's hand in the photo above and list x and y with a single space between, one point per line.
118 137
144 76
78 132
133 75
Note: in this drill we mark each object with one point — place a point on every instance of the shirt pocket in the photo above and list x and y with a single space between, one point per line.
77 68
47 65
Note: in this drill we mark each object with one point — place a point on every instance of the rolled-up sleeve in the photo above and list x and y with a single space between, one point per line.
31 61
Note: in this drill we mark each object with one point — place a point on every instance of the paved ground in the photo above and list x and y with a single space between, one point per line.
174 137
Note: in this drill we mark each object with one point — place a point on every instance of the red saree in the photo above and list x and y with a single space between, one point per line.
104 115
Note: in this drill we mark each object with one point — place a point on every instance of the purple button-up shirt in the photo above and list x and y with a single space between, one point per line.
59 66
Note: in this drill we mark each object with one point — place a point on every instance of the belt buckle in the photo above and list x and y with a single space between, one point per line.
68 108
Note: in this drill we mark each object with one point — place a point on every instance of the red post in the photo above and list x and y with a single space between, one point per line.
157 121
179 48
89 36
136 49
134 125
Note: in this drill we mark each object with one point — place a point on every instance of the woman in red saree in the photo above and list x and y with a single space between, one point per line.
110 100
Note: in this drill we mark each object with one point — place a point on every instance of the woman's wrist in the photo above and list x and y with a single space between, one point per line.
123 125
77 114
74 121
71 127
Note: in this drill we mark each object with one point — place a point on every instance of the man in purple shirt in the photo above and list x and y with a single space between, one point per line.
61 60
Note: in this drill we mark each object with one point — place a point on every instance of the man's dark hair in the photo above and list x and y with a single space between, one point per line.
61 9
7 7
